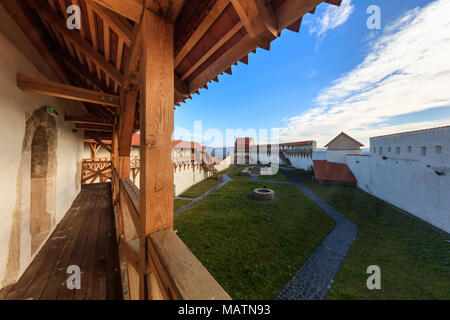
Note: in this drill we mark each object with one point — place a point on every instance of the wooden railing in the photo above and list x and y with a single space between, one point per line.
96 171
160 264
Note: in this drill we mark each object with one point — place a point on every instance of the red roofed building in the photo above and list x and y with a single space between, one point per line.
333 172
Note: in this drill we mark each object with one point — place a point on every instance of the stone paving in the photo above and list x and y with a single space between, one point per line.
316 276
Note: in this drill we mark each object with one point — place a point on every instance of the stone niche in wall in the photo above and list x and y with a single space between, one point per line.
35 210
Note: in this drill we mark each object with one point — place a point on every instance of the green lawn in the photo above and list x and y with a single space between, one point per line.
414 258
302 174
178 203
200 188
236 173
228 169
253 249
276 177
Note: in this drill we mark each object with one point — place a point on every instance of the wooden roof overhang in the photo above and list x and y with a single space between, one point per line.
210 36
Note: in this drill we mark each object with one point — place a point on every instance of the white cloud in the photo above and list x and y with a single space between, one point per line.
406 70
331 18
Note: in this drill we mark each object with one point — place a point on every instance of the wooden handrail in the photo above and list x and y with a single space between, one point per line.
182 274
171 269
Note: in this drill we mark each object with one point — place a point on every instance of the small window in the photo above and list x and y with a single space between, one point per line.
374 150
397 150
409 149
389 149
381 150
439 149
423 151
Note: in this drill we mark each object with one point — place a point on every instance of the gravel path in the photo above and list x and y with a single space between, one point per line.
316 276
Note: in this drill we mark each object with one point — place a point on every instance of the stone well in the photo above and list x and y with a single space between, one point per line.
263 194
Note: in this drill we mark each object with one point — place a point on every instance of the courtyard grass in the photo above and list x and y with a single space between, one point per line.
253 249
178 203
414 257
236 174
200 188
228 169
303 175
279 176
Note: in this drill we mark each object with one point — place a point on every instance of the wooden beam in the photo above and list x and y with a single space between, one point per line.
258 19
74 37
88 120
65 91
126 126
292 10
131 9
108 148
204 26
94 128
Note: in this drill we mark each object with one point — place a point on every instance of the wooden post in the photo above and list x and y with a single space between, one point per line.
157 101
156 120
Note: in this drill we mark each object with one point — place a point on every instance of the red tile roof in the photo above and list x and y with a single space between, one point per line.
330 171
244 142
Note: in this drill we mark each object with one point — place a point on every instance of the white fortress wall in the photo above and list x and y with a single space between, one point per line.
411 171
319 155
340 156
300 162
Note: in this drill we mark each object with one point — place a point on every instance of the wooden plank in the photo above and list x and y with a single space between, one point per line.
212 16
131 9
60 24
130 198
78 223
65 91
188 278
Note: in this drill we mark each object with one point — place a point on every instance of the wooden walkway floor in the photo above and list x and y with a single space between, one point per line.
86 237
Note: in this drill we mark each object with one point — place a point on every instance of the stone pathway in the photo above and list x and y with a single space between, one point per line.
316 276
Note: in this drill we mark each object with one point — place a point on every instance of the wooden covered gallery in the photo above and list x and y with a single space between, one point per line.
126 68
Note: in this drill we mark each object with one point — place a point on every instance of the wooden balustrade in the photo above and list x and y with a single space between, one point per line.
166 266
96 171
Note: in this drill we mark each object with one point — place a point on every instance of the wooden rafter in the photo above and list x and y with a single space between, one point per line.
131 9
65 91
215 12
258 19
120 27
88 120
77 40
94 128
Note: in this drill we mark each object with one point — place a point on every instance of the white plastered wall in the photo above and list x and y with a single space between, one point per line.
19 56
416 183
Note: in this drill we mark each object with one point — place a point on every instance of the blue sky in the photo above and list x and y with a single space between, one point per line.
336 75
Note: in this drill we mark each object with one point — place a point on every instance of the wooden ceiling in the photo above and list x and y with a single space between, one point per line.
210 37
